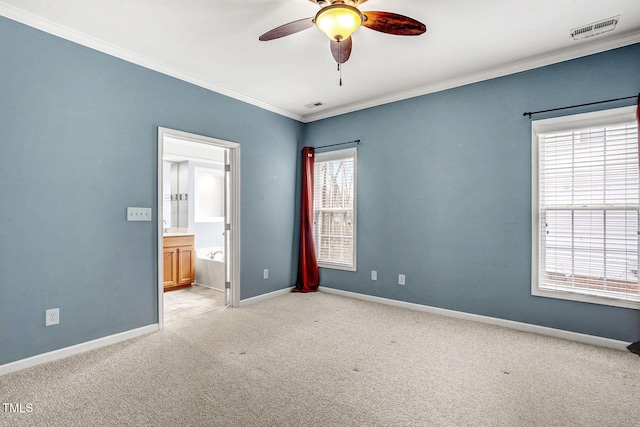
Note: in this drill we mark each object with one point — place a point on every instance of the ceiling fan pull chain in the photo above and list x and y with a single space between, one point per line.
339 19
339 62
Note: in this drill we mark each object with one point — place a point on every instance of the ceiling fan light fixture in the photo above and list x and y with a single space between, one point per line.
338 21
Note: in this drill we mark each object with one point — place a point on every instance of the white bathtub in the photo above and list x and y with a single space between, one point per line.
210 267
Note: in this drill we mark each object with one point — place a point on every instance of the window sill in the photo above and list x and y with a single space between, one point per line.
576 295
337 267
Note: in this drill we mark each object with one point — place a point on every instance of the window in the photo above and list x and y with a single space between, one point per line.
209 194
585 208
334 209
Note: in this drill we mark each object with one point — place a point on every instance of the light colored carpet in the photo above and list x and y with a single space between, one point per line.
325 360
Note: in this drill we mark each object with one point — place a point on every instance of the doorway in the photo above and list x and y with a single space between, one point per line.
215 161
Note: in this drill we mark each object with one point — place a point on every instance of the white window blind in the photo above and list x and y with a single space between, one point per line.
334 209
587 219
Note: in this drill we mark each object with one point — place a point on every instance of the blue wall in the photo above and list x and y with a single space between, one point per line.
444 193
446 173
78 132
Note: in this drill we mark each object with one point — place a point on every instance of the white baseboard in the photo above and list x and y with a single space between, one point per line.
266 296
209 287
123 336
39 359
525 327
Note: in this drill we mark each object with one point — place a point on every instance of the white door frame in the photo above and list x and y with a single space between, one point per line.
234 199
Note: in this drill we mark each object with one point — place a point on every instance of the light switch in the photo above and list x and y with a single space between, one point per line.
138 214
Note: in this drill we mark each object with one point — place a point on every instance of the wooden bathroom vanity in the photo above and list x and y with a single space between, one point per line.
179 261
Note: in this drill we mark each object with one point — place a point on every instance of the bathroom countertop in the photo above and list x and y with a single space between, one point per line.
177 234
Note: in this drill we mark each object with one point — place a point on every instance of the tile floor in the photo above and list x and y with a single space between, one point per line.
190 302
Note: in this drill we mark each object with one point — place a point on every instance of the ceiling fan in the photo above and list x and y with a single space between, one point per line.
338 19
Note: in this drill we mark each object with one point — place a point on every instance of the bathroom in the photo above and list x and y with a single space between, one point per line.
193 214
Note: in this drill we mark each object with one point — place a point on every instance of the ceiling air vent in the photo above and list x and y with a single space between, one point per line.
314 105
595 28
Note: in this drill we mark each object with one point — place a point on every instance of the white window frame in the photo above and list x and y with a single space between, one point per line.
337 155
554 125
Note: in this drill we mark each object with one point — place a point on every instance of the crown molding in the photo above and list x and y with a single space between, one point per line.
67 33
625 39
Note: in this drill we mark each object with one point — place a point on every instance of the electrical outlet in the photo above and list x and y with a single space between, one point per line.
374 275
401 279
52 317
265 274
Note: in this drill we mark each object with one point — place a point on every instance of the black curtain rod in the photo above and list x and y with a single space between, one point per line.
575 106
357 142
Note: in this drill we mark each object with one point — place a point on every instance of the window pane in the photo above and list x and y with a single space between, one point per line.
588 201
593 249
335 236
559 241
334 201
593 166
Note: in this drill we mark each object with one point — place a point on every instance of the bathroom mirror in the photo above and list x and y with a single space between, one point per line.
175 194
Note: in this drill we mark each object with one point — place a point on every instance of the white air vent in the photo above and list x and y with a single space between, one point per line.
595 28
314 104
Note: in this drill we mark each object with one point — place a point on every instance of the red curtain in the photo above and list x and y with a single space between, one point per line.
308 274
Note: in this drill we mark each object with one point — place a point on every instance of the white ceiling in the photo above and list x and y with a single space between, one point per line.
214 44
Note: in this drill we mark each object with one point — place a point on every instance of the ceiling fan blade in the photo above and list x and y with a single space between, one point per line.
287 29
341 50
392 23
